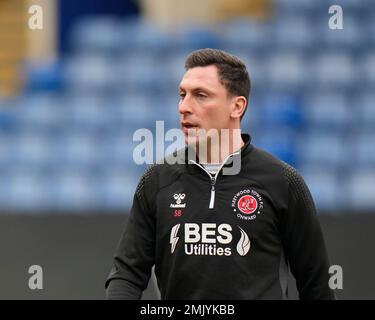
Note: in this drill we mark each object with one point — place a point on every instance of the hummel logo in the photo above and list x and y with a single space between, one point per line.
178 197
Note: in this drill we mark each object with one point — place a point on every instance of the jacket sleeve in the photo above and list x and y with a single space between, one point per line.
303 241
135 253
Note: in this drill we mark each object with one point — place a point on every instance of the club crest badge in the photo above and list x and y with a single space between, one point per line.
247 204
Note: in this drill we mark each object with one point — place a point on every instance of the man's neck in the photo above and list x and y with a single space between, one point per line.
218 151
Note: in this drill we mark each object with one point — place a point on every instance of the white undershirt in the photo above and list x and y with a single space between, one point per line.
212 168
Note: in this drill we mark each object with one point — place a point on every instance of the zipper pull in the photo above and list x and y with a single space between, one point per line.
212 199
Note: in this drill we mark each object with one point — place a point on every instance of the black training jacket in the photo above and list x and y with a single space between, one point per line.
224 236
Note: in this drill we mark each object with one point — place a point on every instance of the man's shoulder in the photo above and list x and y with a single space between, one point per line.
168 168
264 158
158 176
266 162
279 177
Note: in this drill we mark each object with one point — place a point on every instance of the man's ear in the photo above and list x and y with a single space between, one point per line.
238 106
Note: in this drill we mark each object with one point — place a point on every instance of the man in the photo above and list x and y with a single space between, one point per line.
217 235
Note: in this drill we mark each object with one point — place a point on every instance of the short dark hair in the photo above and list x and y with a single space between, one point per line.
232 71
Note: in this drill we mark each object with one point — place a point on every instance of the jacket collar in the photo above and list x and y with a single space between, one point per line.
243 153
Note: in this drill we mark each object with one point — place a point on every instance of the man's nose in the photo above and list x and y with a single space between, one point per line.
185 105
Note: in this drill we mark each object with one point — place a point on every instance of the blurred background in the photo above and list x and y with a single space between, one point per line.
73 92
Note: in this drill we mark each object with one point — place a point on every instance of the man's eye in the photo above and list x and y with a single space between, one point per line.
201 95
182 95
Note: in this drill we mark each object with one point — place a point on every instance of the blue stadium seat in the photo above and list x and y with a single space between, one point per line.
252 116
142 108
139 35
77 150
117 150
327 109
360 189
116 187
91 72
72 189
369 29
280 142
296 4
89 113
6 145
365 109
325 186
8 116
195 37
350 38
101 34
324 149
333 70
40 112
281 109
22 190
351 5
245 34
168 104
43 76
140 72
172 69
367 70
287 70
31 149
364 149
294 32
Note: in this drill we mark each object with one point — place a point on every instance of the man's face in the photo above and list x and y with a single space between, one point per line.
204 101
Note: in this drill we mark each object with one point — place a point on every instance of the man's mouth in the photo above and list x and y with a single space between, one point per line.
187 125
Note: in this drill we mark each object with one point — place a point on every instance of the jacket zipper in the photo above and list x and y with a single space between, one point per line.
212 198
213 179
